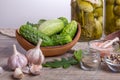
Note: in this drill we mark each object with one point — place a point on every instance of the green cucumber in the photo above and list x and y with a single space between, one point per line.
32 35
61 39
51 27
70 29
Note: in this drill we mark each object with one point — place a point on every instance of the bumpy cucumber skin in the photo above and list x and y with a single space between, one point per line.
32 35
70 29
61 39
66 35
64 20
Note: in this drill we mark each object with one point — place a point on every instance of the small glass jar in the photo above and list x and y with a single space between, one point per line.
90 60
112 16
89 13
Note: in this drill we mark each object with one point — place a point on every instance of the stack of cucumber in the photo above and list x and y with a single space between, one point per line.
53 32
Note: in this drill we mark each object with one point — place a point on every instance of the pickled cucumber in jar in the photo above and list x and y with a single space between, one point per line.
112 16
89 13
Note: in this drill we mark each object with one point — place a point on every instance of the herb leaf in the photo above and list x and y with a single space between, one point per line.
78 54
64 62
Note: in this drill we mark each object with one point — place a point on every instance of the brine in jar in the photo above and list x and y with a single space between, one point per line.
112 16
89 13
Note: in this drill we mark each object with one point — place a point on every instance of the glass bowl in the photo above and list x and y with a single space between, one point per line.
95 44
113 64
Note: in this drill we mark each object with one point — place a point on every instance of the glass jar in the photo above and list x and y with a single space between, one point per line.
89 13
90 60
112 16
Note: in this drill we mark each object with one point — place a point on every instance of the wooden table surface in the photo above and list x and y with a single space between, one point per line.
72 73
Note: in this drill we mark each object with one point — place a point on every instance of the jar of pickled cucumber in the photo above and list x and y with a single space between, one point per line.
112 16
89 13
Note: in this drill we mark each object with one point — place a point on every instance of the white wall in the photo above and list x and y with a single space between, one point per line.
14 13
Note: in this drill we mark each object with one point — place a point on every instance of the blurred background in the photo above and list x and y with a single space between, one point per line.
14 13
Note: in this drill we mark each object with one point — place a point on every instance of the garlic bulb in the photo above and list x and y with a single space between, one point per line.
18 73
17 60
35 55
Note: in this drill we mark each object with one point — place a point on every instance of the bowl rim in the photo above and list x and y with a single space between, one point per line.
109 62
75 38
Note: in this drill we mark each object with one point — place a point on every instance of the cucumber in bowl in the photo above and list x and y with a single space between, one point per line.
60 32
53 26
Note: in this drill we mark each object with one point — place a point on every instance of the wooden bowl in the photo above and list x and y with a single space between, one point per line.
51 50
113 35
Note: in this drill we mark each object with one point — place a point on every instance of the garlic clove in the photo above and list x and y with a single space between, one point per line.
35 55
17 59
18 73
1 70
35 69
26 70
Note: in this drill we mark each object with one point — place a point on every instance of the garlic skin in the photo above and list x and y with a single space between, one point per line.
1 70
35 55
35 69
26 70
18 73
17 60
